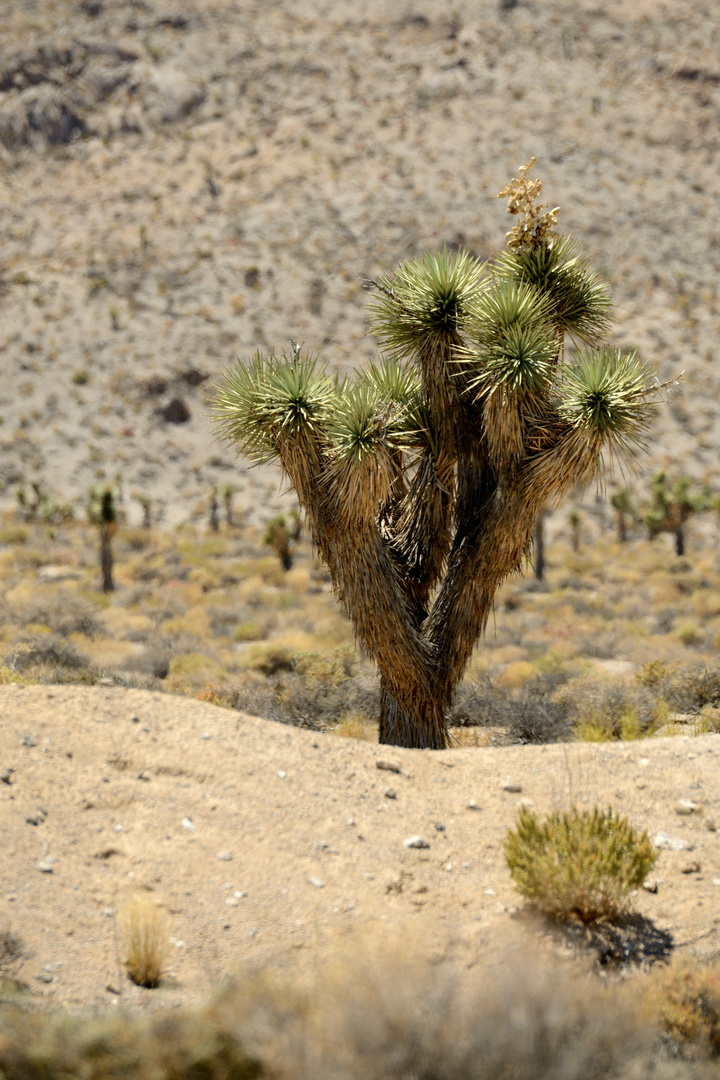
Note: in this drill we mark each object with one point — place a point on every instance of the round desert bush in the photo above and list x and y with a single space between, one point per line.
579 863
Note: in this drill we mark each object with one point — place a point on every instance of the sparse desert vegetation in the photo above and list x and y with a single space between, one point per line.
192 722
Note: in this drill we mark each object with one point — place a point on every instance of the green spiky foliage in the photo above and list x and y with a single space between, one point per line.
578 864
422 476
673 503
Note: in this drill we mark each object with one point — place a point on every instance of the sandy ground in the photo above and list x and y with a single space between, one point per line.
181 185
274 847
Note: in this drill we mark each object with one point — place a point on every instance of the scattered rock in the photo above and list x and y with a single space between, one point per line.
512 787
685 807
439 827
671 843
112 989
187 824
27 740
415 842
44 977
472 805
650 886
6 776
316 882
390 766
175 412
282 774
169 95
390 793
710 825
224 856
691 868
46 866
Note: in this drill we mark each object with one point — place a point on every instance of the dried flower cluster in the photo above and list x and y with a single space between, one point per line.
537 225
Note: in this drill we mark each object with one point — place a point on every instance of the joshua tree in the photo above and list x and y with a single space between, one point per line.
102 511
673 503
423 476
213 515
227 493
623 507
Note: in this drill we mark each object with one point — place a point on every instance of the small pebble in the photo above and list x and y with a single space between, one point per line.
691 868
650 886
224 856
710 825
187 824
685 807
206 735
112 989
350 821
45 866
316 882
472 805
232 901
44 977
512 787
27 740
6 776
282 774
415 842
390 793
439 827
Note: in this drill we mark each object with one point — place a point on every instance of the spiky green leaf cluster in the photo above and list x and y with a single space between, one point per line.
579 863
514 343
605 394
579 299
271 399
424 298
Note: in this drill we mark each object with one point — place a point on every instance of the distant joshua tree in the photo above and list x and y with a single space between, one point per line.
673 504
102 511
422 477
624 510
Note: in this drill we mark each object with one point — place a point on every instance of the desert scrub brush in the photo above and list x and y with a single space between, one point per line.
578 864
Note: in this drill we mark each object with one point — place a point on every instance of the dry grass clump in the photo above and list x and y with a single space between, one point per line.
599 709
167 1046
530 713
686 998
578 864
144 930
400 1017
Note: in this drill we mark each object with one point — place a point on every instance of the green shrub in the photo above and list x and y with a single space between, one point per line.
578 864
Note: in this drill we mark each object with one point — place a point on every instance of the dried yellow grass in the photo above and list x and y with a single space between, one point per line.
144 929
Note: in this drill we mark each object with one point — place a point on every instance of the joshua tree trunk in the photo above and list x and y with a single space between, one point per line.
424 479
539 546
107 531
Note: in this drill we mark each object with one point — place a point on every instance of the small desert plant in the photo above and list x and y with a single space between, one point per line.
278 536
578 864
687 1000
145 940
